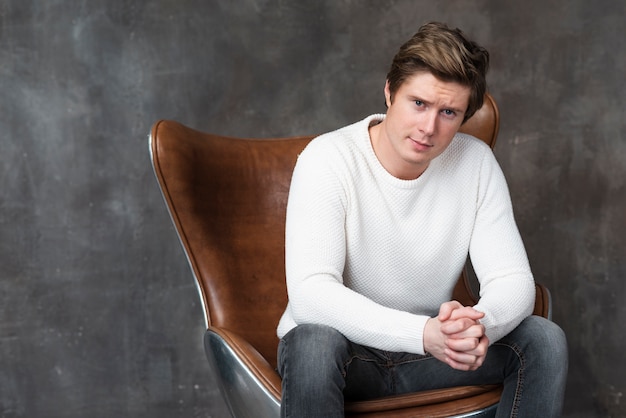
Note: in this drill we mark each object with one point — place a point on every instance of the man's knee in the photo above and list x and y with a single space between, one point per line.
546 330
314 337
546 336
316 346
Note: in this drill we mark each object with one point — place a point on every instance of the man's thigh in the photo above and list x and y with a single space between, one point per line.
374 373
398 373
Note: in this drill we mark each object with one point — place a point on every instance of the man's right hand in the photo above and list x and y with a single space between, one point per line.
456 336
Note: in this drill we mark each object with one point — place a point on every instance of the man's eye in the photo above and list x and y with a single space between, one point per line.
419 103
449 112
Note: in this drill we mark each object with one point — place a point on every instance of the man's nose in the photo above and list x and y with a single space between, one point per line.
428 124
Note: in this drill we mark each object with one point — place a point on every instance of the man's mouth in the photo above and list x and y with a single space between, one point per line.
421 144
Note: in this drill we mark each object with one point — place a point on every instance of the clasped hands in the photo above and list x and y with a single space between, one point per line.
456 336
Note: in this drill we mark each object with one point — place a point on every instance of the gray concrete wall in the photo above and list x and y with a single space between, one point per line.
98 312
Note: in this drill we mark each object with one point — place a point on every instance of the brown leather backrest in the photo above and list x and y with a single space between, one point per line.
227 198
485 123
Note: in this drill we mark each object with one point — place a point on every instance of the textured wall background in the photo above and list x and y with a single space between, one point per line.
98 312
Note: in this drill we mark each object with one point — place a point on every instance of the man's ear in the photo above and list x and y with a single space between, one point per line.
387 94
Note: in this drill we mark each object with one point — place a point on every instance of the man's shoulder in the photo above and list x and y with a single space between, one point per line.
465 155
344 139
465 146
469 142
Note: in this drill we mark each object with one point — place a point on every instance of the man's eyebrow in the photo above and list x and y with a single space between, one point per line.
413 97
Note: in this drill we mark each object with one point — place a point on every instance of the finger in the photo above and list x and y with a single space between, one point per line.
459 326
466 312
446 309
463 329
477 348
462 361
474 346
474 358
466 345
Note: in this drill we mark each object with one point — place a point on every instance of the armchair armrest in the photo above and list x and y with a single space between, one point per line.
543 302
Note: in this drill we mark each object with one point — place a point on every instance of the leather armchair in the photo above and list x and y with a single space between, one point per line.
227 199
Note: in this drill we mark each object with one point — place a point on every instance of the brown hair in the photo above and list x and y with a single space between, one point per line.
448 55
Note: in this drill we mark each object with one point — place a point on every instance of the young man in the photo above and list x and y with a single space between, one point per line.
381 217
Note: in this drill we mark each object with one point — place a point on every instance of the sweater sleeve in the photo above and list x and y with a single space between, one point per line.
315 256
507 290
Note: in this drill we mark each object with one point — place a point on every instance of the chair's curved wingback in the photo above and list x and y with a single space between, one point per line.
227 199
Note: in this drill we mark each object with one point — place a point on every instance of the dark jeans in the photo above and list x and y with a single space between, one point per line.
320 368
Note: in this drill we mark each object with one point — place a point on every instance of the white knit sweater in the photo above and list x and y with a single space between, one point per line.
374 256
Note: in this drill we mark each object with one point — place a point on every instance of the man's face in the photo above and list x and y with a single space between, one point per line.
422 118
